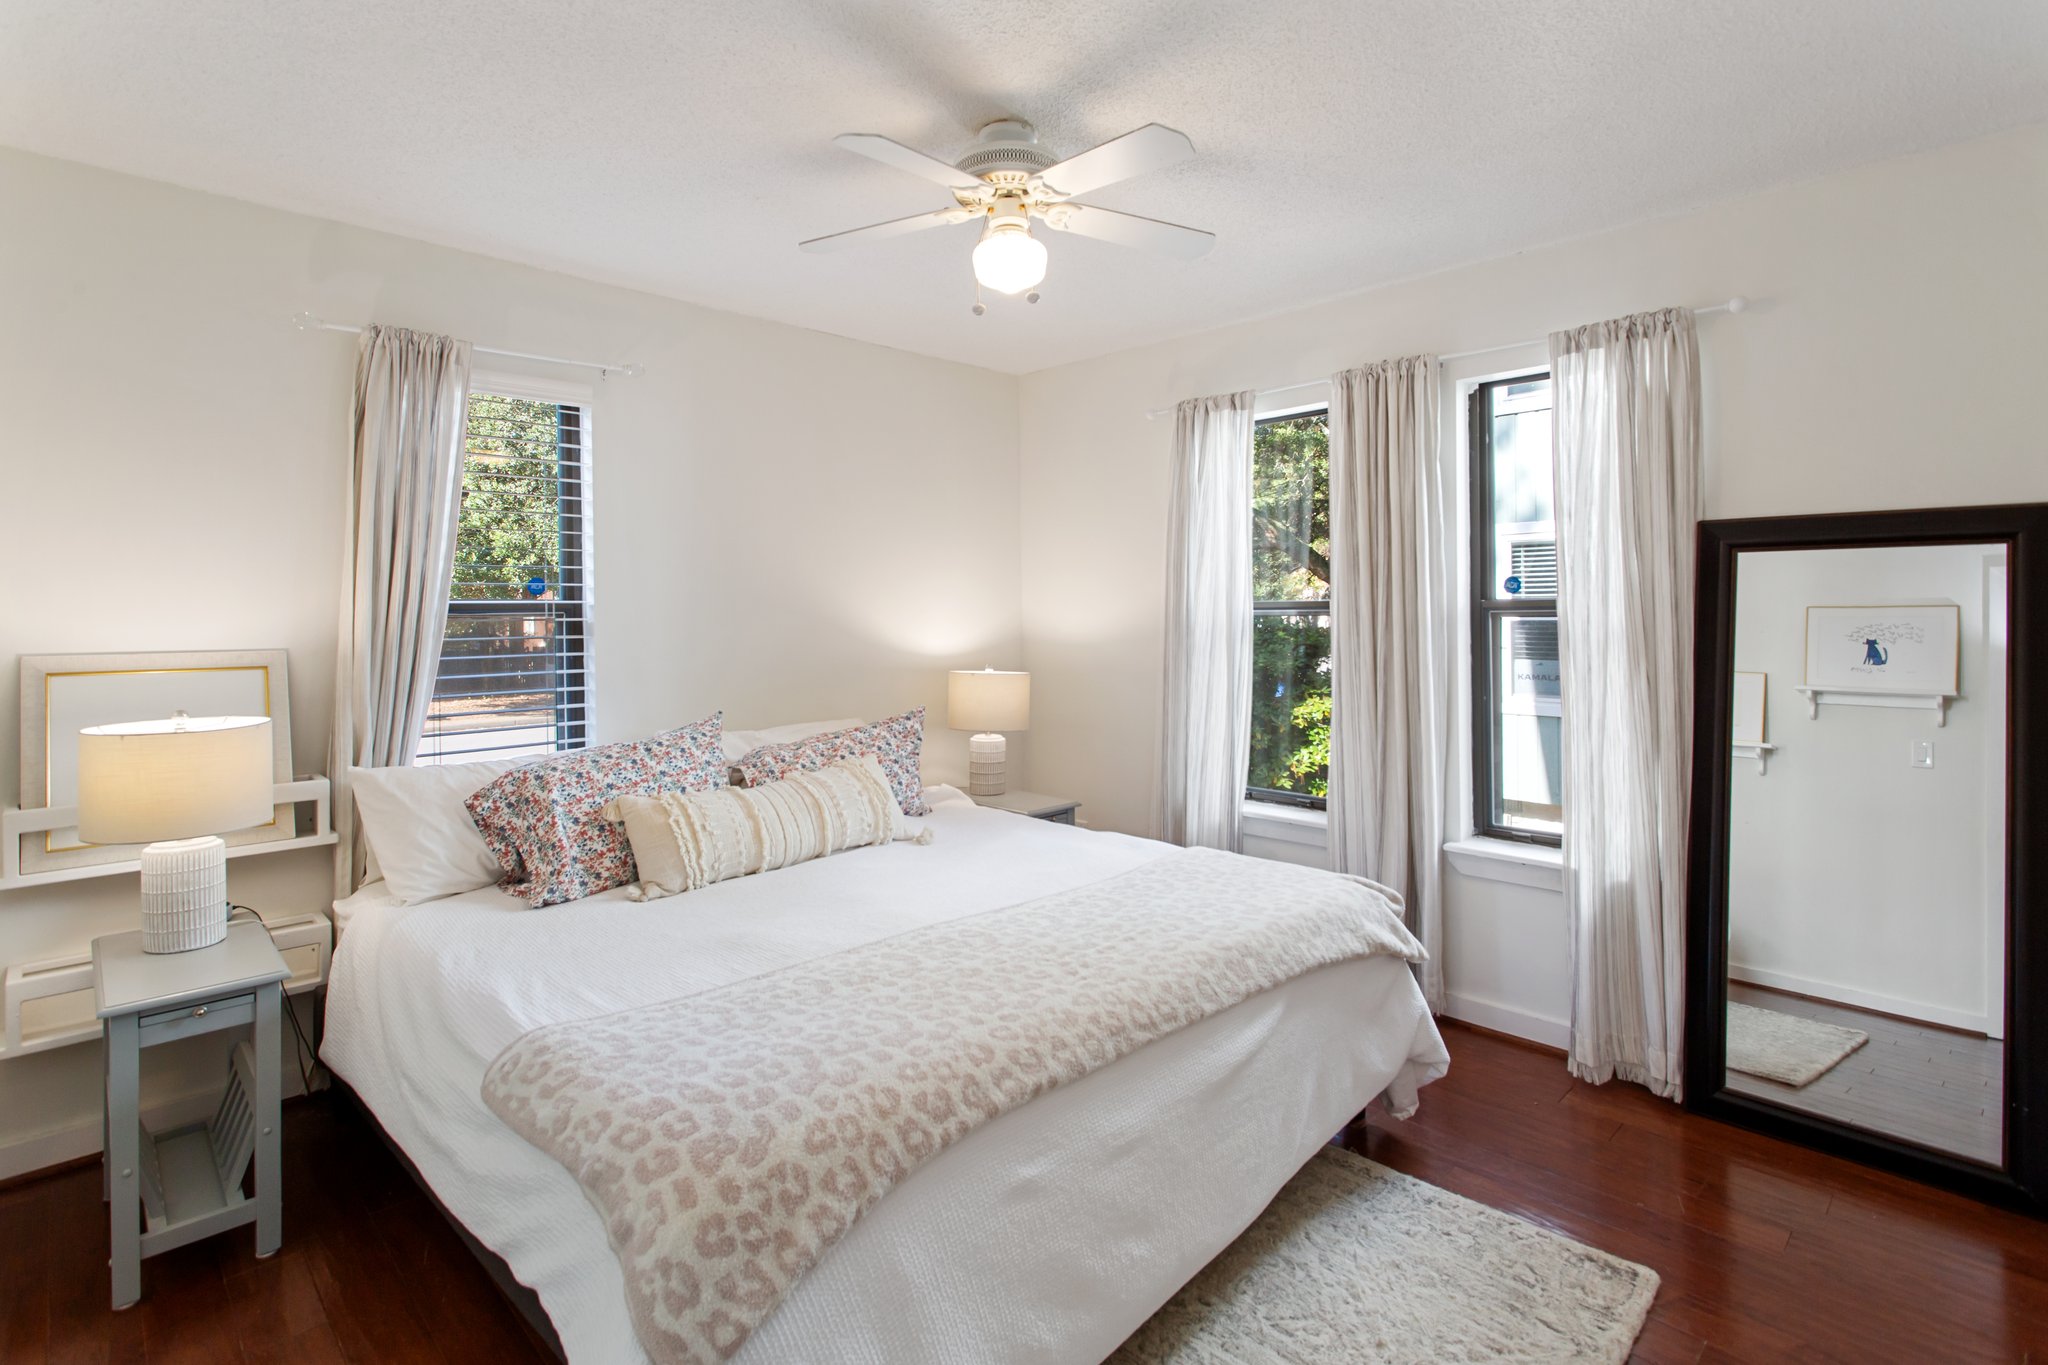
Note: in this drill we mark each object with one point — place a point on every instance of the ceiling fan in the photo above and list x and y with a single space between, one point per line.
1004 180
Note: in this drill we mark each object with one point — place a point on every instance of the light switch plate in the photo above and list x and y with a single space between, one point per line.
1923 753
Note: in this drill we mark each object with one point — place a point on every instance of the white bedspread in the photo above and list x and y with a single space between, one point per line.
1046 1236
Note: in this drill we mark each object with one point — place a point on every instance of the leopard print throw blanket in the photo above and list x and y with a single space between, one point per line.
729 1138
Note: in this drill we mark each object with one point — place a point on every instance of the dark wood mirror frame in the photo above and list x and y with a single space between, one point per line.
2023 527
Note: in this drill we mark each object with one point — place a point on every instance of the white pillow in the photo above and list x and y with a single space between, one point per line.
686 840
740 743
419 830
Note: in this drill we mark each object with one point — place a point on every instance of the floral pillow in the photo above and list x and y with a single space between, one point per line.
544 821
897 743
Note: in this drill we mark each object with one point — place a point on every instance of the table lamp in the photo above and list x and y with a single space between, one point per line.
176 785
987 702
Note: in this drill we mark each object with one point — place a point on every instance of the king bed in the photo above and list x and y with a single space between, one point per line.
1047 1233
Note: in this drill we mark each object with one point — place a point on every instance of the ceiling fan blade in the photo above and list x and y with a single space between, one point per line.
893 153
1128 229
895 227
1151 148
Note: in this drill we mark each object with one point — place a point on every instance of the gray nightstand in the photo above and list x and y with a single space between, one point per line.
188 1181
1057 809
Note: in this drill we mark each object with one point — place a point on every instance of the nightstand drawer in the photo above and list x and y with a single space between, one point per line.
202 1018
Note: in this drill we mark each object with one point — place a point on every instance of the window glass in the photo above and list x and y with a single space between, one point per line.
1290 733
1291 704
1524 530
1525 723
512 675
1517 784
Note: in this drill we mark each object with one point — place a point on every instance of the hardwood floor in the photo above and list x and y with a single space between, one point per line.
1926 1084
370 1271
1767 1252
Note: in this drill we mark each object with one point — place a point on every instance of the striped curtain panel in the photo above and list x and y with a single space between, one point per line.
1627 434
1392 528
1205 737
404 497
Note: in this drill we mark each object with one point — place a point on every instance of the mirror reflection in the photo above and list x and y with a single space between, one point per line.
1867 831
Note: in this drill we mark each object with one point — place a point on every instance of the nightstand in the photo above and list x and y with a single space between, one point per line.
1057 809
188 1181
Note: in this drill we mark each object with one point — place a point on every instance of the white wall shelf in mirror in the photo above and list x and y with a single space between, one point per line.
1937 702
1760 752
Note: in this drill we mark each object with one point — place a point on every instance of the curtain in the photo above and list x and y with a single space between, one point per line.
1205 743
404 494
1392 529
1627 435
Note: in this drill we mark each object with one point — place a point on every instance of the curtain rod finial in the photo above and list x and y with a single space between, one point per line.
306 322
1737 304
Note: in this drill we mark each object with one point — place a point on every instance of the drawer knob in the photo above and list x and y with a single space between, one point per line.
198 1012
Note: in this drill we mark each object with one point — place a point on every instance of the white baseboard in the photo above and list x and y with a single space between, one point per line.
1863 1000
1507 1019
38 1151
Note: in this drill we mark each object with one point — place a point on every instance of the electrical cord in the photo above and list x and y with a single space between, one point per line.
302 1048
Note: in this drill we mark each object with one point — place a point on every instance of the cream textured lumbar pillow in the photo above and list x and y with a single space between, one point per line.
686 840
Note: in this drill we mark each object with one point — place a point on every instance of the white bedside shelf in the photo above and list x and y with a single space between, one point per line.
49 1004
17 823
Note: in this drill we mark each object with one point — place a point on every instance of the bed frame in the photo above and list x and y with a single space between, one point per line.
522 1299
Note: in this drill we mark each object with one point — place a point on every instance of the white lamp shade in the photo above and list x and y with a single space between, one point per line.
1009 260
988 701
142 782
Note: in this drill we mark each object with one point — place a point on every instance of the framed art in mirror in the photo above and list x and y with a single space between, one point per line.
63 693
1866 941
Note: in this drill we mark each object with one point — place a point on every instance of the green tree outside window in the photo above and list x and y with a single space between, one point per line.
1290 746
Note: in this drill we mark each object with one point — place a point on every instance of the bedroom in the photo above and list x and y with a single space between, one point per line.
827 484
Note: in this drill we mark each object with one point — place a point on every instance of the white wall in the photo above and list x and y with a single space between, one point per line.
1853 875
1899 314
789 525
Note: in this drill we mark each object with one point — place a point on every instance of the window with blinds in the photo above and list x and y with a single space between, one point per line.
513 676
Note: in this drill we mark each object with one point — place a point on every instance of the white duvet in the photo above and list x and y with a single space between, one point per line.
1046 1236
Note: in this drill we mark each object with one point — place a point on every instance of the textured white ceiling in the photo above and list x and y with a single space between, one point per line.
685 148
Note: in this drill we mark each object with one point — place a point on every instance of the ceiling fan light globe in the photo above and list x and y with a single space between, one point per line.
1009 262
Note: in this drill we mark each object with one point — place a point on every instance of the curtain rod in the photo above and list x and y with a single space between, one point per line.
307 322
1734 305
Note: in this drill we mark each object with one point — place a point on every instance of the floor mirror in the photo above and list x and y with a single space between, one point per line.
1867 943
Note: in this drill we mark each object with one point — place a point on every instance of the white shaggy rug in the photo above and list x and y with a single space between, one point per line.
1785 1047
1355 1263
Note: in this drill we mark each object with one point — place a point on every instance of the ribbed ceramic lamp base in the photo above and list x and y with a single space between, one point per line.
987 757
184 894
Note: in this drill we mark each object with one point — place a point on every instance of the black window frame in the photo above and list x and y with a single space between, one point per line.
567 611
1275 796
1487 611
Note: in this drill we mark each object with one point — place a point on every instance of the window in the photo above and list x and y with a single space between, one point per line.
1290 758
1516 714
512 679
